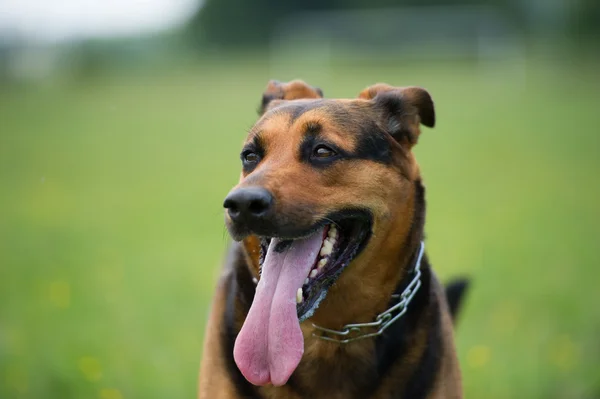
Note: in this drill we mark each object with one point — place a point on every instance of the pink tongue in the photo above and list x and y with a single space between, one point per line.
270 343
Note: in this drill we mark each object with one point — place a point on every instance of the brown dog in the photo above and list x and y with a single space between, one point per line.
327 293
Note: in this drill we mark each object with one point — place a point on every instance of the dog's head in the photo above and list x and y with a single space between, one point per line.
327 188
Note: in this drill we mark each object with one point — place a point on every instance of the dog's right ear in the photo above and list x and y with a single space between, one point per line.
403 108
278 91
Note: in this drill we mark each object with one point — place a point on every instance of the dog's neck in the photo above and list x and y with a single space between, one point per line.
366 288
400 300
324 358
361 365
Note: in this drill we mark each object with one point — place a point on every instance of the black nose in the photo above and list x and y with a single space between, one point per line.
247 204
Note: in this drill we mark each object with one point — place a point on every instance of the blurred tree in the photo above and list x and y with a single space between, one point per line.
586 19
239 23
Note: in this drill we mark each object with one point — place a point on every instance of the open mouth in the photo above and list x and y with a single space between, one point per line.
341 241
296 274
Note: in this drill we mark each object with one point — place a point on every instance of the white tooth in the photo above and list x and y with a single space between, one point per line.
321 263
254 280
306 281
332 232
299 295
325 250
313 273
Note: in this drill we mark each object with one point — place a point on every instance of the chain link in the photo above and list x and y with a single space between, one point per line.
383 320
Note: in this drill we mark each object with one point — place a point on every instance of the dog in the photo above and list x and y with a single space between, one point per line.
327 291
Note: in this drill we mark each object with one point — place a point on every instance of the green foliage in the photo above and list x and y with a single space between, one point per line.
238 23
235 23
585 20
111 229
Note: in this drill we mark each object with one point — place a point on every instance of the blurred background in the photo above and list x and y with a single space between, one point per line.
120 127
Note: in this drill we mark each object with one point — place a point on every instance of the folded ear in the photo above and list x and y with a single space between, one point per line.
402 108
294 90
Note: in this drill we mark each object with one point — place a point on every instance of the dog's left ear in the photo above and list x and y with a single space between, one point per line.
293 90
404 109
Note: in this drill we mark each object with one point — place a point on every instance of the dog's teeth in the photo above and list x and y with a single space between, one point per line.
332 232
326 248
299 295
254 280
321 263
306 281
313 273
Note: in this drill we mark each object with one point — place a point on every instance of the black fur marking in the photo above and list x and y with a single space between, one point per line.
393 109
266 99
313 128
257 146
421 382
294 385
424 104
335 110
396 340
310 142
240 278
298 110
259 142
373 144
455 292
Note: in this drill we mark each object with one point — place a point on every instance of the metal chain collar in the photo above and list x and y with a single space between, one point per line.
383 320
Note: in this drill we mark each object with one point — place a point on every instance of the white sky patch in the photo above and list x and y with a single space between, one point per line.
64 20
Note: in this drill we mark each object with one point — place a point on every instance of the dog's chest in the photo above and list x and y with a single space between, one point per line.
331 371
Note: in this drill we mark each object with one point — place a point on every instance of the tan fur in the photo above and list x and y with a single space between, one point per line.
213 382
363 291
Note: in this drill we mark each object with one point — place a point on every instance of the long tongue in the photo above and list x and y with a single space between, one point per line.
270 343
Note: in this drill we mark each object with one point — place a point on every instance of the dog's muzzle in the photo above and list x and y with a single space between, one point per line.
248 207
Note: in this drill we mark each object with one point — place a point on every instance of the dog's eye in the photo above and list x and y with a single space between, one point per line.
250 157
322 152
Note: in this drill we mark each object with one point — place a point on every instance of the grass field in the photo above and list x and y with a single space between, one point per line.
111 227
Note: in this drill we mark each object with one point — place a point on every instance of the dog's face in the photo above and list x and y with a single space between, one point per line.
326 196
341 169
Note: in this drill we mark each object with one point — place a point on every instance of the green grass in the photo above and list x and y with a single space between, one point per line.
111 232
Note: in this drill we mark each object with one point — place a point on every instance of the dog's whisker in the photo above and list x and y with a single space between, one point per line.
224 236
332 222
